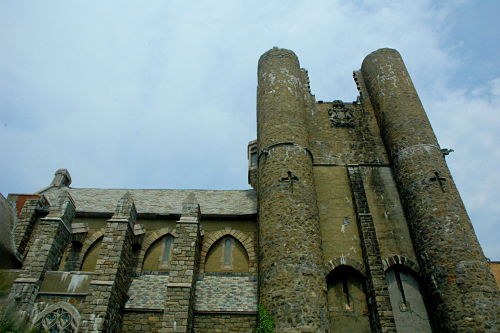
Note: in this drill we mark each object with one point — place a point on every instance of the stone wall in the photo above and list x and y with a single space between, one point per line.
44 254
359 142
292 282
141 321
8 250
222 323
226 293
107 293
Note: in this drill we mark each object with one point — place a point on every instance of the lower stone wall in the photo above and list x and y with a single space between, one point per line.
226 293
214 323
141 321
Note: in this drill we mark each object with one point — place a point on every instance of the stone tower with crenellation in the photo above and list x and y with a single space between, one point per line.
353 224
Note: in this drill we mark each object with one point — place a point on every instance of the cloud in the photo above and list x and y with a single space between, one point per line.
162 95
467 121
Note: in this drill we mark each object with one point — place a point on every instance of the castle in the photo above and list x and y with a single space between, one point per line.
354 224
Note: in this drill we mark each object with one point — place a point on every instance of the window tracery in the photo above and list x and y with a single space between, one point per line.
58 319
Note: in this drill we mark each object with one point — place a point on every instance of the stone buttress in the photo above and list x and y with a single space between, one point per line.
179 301
26 222
106 295
381 315
292 284
52 237
462 293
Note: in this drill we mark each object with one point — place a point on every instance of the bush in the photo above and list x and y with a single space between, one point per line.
10 324
265 323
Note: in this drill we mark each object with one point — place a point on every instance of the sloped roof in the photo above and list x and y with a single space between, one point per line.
212 202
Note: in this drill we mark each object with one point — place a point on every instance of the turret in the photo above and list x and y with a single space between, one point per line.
460 288
293 287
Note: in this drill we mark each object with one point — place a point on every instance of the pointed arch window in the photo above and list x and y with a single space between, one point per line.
226 255
159 255
60 317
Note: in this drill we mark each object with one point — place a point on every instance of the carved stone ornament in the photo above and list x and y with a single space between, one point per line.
340 115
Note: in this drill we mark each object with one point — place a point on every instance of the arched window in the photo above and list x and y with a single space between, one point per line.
159 255
407 303
347 305
90 259
60 317
168 245
227 255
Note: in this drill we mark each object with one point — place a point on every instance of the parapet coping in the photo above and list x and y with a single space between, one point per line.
144 309
58 293
226 312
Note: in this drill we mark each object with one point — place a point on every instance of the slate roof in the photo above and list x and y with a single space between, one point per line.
212 202
147 292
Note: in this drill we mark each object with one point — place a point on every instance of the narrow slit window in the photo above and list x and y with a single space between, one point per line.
347 297
167 251
253 157
400 288
227 251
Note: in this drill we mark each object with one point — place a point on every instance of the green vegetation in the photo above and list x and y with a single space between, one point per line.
265 323
9 324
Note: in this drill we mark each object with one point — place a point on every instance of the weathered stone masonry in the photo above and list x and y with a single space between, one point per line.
179 304
45 253
378 295
353 224
107 293
291 286
463 294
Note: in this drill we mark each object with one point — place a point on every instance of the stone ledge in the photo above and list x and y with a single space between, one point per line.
25 280
226 312
179 284
188 220
103 283
55 293
143 309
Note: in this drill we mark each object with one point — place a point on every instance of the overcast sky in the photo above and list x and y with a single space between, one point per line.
161 94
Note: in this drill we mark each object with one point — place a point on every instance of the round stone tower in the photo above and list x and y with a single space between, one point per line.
462 293
292 285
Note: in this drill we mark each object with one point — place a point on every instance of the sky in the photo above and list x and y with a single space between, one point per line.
161 94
